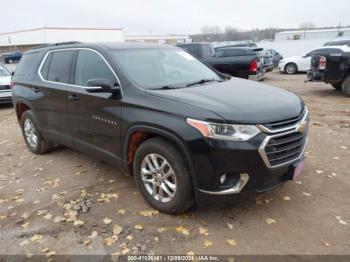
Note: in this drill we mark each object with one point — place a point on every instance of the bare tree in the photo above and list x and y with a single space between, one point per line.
211 30
307 25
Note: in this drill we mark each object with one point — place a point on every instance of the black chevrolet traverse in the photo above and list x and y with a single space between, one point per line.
184 131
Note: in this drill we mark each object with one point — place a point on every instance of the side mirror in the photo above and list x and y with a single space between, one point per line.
101 85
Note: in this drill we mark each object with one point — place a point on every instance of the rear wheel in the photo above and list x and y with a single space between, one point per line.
162 175
346 86
291 68
32 136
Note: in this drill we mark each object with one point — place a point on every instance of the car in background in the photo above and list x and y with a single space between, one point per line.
244 44
295 64
338 42
5 90
267 59
10 58
333 69
239 62
276 57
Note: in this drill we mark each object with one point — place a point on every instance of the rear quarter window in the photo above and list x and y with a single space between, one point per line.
28 64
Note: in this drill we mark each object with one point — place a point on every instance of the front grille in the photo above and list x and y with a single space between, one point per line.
6 87
285 148
285 123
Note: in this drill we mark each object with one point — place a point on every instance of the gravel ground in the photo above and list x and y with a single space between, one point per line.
42 209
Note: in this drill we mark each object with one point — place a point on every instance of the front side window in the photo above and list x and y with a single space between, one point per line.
158 67
60 66
91 65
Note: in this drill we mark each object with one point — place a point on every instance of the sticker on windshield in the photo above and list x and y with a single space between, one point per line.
186 55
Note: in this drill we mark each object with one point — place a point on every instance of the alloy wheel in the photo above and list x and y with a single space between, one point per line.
158 177
30 133
290 69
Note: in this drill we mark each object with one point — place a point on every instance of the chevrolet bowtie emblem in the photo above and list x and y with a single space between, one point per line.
301 127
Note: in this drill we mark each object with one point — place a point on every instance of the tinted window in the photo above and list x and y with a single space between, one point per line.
325 51
192 49
206 51
232 52
60 66
45 69
28 64
90 65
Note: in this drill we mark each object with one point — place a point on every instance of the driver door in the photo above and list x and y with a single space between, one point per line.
94 117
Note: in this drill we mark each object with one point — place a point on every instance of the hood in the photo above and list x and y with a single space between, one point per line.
5 80
238 100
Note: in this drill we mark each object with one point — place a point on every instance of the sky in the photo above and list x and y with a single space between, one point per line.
171 16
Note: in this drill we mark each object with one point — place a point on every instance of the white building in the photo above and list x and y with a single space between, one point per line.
158 39
26 39
315 34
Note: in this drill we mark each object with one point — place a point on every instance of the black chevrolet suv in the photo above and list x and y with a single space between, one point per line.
184 131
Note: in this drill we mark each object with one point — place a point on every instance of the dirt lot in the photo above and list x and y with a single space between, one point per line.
38 197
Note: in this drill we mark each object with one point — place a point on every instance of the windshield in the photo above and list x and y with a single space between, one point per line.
155 68
4 71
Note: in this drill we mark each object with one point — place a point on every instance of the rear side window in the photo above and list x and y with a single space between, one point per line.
230 52
91 65
28 65
60 66
192 49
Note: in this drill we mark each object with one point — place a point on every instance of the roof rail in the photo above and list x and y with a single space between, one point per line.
58 44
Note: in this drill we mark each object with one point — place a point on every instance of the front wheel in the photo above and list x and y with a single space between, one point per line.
162 175
291 68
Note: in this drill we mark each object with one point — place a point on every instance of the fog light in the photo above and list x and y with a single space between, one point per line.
223 179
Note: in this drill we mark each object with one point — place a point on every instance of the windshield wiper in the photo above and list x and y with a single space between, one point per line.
168 87
203 81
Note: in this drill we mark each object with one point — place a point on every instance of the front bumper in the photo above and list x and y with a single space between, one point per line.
247 163
5 97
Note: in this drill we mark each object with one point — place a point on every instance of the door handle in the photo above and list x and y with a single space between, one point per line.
36 89
73 97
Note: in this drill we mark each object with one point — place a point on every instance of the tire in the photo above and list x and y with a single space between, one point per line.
291 68
337 86
182 197
41 146
346 86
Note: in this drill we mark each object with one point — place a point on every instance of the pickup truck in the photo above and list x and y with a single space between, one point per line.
10 58
235 61
331 68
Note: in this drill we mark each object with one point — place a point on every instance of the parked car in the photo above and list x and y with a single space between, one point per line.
338 42
185 132
10 58
267 59
276 57
245 44
292 65
332 68
5 81
238 62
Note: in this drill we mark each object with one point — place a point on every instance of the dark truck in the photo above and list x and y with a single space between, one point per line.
235 61
332 68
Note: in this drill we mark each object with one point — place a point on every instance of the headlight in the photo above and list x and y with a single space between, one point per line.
224 131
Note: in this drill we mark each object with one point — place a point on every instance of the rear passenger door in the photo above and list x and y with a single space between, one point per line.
94 117
51 95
